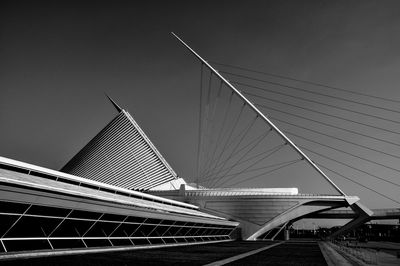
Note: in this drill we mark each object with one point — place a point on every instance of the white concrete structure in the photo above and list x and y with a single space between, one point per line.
121 154
47 212
263 212
94 201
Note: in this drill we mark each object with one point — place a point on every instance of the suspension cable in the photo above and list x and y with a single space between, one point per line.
352 167
236 147
323 113
355 182
228 107
266 173
230 134
262 168
314 92
329 125
334 137
307 82
208 160
254 142
208 119
199 132
348 153
255 109
273 150
241 161
317 102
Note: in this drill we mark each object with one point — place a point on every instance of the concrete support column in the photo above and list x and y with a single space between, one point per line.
286 234
364 215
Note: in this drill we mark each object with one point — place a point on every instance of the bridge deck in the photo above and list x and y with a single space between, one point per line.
378 214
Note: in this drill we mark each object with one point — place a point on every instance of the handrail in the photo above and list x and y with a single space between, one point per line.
64 177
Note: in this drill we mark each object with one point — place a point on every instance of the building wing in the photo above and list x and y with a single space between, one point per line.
122 155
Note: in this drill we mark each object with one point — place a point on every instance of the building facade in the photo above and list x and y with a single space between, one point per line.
43 211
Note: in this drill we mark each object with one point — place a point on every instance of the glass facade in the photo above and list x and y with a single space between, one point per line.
38 227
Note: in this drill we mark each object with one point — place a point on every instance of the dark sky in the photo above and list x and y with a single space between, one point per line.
57 59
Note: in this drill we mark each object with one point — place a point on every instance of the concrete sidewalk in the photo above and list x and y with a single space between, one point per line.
362 256
333 257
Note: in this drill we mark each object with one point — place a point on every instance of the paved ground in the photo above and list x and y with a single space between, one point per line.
389 247
186 255
380 253
228 253
288 253
294 252
332 256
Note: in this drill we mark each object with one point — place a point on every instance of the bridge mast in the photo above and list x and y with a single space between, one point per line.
258 112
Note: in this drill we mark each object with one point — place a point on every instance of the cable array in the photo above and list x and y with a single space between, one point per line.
307 82
334 117
235 144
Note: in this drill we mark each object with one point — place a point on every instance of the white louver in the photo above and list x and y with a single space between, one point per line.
122 155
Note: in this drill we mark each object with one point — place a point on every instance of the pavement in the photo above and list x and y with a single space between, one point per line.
371 253
333 257
183 255
389 247
293 252
242 255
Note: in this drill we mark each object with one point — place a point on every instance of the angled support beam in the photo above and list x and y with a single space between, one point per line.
259 113
280 229
108 238
2 244
94 223
83 241
48 239
169 229
129 238
16 221
155 227
138 227
364 215
115 229
60 223
176 233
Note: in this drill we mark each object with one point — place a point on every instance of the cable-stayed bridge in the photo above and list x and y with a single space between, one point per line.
363 127
239 145
352 135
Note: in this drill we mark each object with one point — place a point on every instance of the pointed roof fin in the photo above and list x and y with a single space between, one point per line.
119 109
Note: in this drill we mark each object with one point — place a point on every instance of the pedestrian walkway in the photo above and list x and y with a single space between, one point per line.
288 253
186 255
294 252
333 257
242 256
357 255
